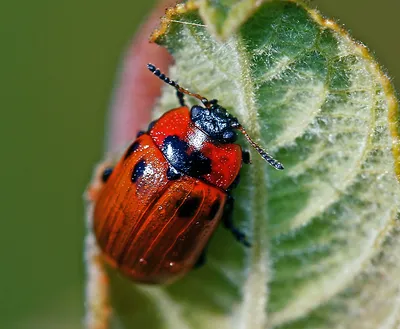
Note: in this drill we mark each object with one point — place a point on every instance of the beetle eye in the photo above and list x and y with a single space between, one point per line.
106 174
229 136
196 112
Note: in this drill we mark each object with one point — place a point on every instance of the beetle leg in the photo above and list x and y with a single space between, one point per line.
140 133
227 219
181 99
246 157
151 125
202 258
235 183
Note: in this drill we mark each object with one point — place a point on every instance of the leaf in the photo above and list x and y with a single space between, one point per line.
325 231
224 17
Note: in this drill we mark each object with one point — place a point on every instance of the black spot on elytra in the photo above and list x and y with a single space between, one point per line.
106 174
194 164
214 209
131 149
173 174
199 164
138 170
189 207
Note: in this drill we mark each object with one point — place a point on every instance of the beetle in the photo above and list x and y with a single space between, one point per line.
156 209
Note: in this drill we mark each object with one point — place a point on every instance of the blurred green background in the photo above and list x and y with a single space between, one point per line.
58 64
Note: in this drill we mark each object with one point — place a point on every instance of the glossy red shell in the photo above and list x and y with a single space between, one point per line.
138 225
149 227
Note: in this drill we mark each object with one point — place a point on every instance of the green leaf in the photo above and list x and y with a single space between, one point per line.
325 231
224 17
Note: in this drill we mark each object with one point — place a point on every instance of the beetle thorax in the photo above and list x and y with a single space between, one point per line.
216 122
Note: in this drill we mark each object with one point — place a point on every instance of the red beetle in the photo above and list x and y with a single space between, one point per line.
155 211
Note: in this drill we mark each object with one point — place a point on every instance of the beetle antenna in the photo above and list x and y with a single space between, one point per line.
274 163
179 89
